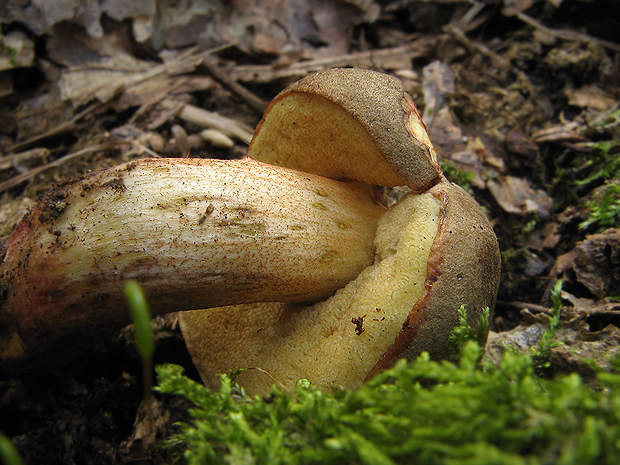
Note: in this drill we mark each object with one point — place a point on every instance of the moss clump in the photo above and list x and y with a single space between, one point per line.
463 333
424 412
541 354
604 209
458 175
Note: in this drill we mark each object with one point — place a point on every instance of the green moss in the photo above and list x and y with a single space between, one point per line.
463 333
604 210
586 171
8 452
458 175
541 354
423 412
8 49
603 164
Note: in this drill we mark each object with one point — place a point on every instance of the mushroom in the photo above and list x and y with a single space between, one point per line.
302 271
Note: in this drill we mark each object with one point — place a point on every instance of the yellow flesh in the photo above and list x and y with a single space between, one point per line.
320 342
301 124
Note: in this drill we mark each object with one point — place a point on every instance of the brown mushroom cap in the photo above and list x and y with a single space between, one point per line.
463 269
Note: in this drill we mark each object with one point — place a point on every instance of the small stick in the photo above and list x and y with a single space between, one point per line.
253 101
15 180
459 36
13 161
374 58
527 306
207 119
567 35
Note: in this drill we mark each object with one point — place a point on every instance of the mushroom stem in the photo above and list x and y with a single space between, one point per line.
195 233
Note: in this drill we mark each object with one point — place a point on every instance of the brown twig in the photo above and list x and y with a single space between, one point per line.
376 59
473 47
39 169
567 35
527 306
62 128
253 101
207 119
13 161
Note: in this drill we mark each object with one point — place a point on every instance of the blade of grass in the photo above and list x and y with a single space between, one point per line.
8 452
145 341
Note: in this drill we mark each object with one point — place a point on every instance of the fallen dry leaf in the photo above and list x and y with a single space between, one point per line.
516 195
597 263
42 113
16 49
580 346
589 307
590 97
559 133
439 81
40 15
551 235
92 65
306 28
516 142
